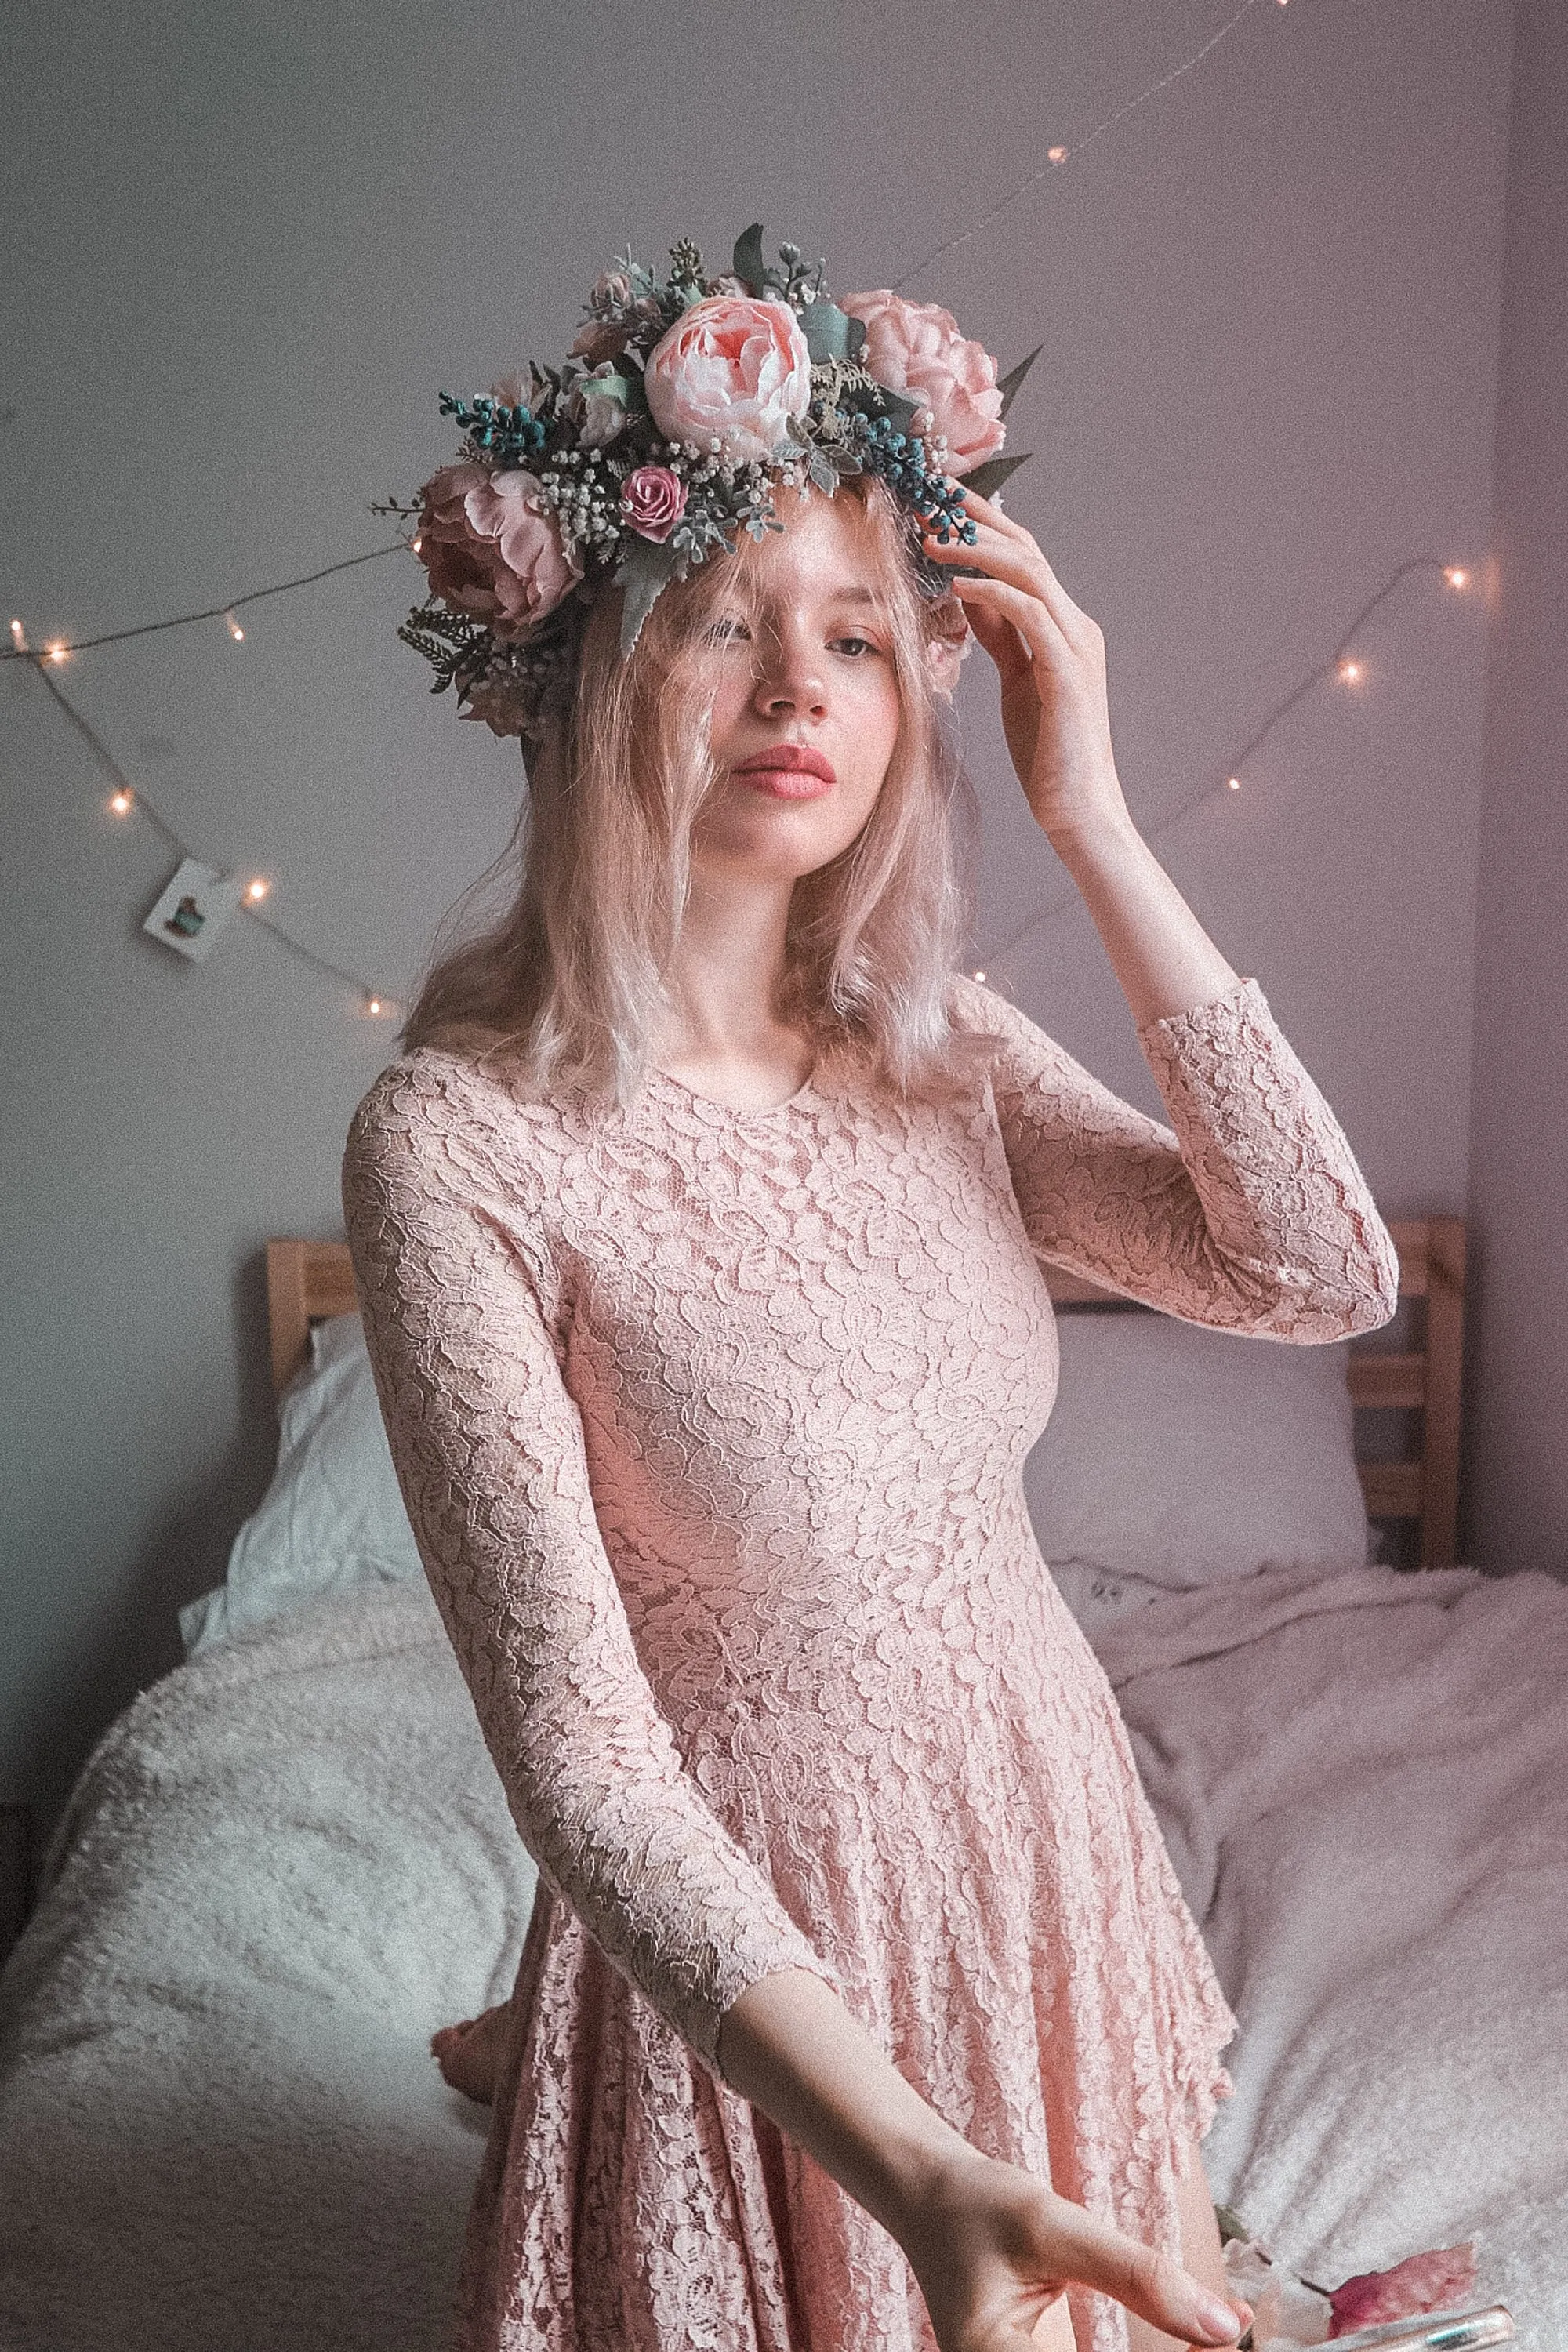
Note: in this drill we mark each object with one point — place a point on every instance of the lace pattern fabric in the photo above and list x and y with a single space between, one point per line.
711 1427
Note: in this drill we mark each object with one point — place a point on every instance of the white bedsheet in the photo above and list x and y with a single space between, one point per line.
220 2128
1364 1782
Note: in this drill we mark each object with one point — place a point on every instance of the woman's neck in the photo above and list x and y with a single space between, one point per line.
719 1033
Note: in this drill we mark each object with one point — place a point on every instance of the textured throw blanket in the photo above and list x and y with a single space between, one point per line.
221 2131
1364 1782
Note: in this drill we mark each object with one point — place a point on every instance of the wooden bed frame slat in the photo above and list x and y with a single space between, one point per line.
306 1280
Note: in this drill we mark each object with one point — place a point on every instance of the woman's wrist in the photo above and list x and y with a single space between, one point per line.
790 2046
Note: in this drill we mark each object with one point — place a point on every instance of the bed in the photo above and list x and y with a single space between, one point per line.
289 1861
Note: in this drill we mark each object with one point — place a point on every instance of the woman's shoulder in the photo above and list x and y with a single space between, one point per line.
455 1109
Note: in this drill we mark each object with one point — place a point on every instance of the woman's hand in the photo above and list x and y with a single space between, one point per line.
1051 660
992 2250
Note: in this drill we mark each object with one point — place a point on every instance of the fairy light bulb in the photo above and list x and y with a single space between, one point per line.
19 636
1233 782
374 1007
1055 154
235 632
414 542
1349 671
122 802
1457 576
255 891
980 975
57 650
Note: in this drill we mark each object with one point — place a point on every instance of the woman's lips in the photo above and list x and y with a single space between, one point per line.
789 772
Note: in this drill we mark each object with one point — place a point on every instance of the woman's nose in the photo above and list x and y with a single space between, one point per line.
790 680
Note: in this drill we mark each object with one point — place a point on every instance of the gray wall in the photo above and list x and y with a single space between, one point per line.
248 246
1519 1199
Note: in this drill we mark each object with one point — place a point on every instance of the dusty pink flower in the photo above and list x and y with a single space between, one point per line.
916 347
491 550
1429 2282
948 639
730 369
601 339
653 500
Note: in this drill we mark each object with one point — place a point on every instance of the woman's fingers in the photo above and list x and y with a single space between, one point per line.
1003 549
1032 620
1149 2284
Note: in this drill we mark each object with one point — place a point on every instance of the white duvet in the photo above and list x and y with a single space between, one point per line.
220 2126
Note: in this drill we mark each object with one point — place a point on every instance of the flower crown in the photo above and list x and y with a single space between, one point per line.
684 402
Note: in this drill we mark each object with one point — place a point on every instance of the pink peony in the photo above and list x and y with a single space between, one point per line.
733 370
916 347
653 500
491 550
1430 2281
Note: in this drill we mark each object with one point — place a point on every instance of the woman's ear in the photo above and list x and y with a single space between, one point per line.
948 639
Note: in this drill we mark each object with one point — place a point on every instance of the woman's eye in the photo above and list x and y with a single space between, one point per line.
724 631
857 646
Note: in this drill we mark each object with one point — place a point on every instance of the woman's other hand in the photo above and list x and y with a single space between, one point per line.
1050 657
994 2249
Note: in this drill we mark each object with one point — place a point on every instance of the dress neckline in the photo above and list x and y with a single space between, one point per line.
733 1110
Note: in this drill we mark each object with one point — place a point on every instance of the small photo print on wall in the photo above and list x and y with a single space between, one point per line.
195 906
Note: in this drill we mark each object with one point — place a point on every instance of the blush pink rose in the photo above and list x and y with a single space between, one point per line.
733 370
1429 2282
915 347
653 500
491 550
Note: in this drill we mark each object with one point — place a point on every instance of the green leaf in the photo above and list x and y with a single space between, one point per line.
1008 385
987 479
748 264
831 333
646 566
822 473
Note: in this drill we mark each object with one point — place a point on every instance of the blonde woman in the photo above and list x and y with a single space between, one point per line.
699 1232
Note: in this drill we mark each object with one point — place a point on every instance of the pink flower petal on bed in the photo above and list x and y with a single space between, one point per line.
1429 2282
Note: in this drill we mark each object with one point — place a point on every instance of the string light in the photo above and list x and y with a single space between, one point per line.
122 801
235 632
19 638
1055 154
980 975
57 650
255 891
1339 665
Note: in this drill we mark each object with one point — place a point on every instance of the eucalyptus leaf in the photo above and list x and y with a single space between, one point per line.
822 473
1008 385
831 333
987 479
646 566
748 264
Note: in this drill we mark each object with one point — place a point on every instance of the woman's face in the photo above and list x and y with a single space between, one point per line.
806 701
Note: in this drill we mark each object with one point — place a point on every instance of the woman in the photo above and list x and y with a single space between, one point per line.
699 1234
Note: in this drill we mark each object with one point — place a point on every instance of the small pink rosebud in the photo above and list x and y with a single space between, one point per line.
653 500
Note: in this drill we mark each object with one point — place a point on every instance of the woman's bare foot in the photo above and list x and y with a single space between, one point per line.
469 2054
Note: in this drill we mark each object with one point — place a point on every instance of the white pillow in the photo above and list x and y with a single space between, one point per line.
333 1516
1177 1456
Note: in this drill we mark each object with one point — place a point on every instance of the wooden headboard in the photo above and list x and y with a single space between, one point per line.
308 1280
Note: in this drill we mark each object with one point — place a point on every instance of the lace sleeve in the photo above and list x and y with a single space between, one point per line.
1251 1215
487 1445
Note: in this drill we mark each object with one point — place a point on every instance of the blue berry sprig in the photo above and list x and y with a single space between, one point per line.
509 434
901 460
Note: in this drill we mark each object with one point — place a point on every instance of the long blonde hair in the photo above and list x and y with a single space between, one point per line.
563 982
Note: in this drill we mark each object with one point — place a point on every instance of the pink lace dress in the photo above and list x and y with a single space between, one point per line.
711 1424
